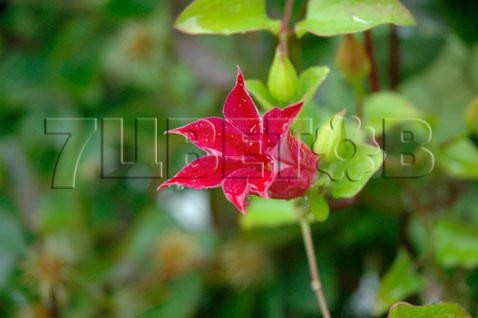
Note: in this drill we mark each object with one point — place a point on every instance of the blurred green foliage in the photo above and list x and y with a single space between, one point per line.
116 248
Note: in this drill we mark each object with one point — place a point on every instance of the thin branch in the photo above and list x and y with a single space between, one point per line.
313 267
373 78
394 67
284 32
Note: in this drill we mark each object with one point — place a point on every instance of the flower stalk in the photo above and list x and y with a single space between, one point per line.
316 285
284 32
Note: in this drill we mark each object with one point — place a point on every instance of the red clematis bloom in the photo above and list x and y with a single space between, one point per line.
247 154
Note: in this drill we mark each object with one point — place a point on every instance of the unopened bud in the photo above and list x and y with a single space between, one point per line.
283 79
471 116
329 138
352 59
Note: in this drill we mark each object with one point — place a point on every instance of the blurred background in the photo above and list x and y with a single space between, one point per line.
114 247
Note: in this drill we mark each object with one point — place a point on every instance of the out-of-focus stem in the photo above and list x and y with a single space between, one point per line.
373 77
359 97
313 267
284 32
394 67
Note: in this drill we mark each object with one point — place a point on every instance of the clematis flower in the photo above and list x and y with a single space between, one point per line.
247 154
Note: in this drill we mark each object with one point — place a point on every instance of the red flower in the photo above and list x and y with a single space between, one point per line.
248 154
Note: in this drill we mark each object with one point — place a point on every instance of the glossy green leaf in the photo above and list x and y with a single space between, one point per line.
448 310
225 17
349 176
459 159
269 213
456 244
309 82
261 93
319 207
333 17
400 282
383 105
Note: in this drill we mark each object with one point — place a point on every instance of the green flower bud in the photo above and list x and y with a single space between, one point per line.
352 59
283 79
471 116
329 138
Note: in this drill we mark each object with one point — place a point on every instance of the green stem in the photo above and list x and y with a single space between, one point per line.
359 98
313 267
284 32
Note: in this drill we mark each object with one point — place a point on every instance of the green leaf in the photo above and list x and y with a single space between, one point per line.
400 282
459 159
456 244
309 82
349 176
261 93
269 213
225 17
319 207
448 310
334 17
383 105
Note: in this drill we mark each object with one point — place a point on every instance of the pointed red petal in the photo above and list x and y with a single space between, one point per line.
236 188
239 184
205 172
277 122
216 136
240 110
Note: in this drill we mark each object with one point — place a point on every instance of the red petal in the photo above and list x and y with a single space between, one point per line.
205 172
240 110
236 188
243 181
216 136
277 121
290 184
297 166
